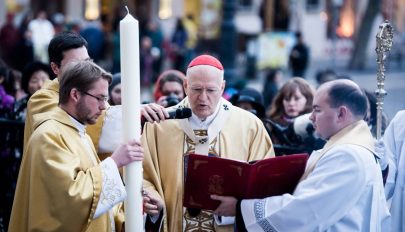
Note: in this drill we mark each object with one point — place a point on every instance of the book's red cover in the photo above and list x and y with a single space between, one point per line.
206 175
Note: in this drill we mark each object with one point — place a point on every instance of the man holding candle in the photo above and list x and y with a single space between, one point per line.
216 128
62 185
64 48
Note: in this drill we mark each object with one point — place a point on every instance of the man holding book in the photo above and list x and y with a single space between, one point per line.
341 189
216 128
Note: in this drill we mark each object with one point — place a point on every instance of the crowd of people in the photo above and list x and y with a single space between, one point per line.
70 143
24 38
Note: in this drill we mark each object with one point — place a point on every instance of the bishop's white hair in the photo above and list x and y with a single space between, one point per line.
201 70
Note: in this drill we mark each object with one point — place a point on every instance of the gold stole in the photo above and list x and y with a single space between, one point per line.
203 142
357 133
203 138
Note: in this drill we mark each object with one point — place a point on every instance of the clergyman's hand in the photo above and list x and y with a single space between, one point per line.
227 206
151 205
153 112
128 153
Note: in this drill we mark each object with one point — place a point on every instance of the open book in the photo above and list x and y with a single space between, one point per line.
206 175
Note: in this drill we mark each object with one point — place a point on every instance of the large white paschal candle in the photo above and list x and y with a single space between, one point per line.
131 119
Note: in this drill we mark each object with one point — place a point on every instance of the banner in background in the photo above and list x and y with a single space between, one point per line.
274 49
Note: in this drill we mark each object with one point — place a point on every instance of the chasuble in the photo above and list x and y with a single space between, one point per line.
59 186
46 99
234 133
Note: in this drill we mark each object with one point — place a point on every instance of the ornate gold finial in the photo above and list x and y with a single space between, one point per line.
384 43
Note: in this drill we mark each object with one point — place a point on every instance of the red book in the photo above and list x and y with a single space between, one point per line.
206 175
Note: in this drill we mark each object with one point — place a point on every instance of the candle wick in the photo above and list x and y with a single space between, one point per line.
126 7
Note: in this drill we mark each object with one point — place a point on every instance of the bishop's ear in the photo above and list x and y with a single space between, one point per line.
185 85
342 112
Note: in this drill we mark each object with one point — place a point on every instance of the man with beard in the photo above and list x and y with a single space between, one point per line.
106 133
62 185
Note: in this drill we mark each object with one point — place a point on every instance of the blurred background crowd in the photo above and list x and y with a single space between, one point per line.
275 54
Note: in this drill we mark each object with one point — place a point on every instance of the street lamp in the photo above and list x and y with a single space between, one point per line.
228 40
336 4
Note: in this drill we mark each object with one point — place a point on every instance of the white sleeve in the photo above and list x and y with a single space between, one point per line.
318 201
112 187
111 133
391 155
223 221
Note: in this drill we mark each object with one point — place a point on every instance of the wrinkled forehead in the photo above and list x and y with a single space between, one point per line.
204 73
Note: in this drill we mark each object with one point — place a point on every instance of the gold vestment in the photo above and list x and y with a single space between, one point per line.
242 137
58 186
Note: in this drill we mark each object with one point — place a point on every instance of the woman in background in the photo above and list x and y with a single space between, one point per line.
34 75
169 88
294 99
288 122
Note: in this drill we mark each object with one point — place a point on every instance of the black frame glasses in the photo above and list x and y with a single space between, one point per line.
100 99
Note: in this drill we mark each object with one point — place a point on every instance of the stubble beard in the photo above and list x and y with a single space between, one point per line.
83 114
